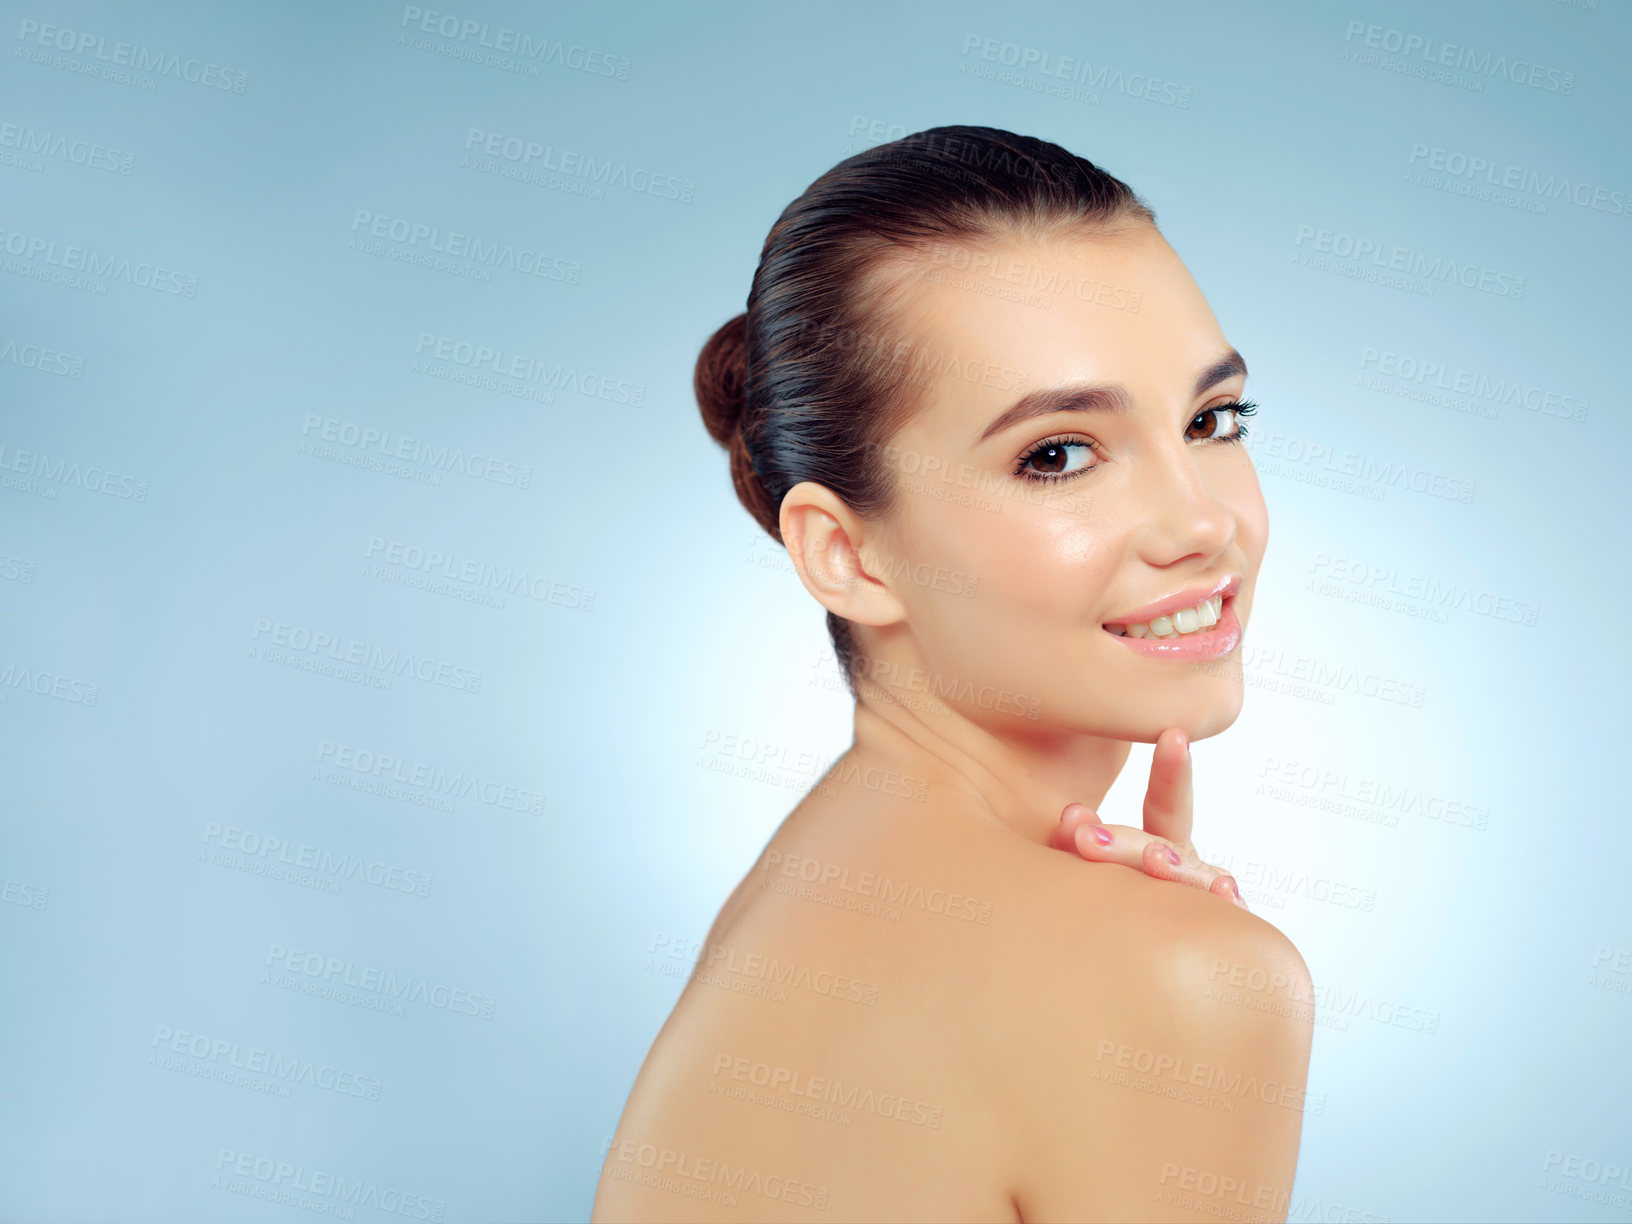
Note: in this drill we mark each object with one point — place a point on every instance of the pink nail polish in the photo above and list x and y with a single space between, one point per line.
1172 856
1102 835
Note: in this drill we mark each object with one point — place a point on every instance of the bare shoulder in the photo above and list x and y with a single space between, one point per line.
814 1059
1173 1028
915 1018
1086 931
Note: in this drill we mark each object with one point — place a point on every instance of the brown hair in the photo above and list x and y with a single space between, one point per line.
807 384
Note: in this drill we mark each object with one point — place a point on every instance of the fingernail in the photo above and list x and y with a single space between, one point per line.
1102 835
1234 889
1172 855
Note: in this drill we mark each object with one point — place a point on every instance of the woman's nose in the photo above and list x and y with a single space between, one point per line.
1184 515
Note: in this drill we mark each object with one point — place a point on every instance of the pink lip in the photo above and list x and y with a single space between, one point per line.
1175 603
1206 644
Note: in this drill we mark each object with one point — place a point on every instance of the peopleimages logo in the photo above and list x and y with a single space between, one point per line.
388 767
506 41
1078 71
286 1069
1435 592
15 677
557 376
1389 797
455 244
1498 392
338 648
269 848
667 1167
1394 258
332 971
77 152
602 172
132 55
41 467
480 575
1496 173
1463 59
367 440
46 361
869 884
1386 473
280 1181
849 1097
762 967
78 259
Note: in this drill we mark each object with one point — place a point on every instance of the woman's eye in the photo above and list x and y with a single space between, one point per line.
1053 460
1214 430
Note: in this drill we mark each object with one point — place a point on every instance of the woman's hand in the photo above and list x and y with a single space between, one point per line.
1162 848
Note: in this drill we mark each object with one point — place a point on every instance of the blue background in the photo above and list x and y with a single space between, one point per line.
1438 682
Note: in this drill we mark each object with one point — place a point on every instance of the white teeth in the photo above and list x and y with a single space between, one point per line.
1188 620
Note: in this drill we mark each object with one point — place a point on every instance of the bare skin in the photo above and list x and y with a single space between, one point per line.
961 1022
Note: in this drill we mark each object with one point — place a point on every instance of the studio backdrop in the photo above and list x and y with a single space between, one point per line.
392 689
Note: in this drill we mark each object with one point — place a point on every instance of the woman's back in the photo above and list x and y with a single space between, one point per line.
908 1011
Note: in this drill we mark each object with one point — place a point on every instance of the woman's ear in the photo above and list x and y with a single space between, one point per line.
827 543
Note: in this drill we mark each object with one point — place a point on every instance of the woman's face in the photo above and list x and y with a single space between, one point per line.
1113 487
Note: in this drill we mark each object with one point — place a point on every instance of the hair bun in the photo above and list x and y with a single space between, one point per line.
721 380
722 393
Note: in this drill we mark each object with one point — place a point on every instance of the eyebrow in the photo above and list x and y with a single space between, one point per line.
1101 397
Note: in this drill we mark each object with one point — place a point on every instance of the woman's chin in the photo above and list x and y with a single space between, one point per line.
1200 721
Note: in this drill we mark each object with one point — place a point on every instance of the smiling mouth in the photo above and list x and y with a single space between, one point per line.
1199 620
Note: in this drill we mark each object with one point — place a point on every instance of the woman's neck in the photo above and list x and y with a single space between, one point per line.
1021 779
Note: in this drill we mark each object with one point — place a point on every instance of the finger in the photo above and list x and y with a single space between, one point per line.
1158 863
1074 816
1168 798
1225 886
1130 847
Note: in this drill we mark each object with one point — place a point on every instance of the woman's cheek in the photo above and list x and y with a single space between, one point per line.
1069 570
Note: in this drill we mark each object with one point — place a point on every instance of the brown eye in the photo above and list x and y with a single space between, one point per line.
1052 460
1049 459
1208 422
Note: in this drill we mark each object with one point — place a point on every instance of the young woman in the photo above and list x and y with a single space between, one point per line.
991 417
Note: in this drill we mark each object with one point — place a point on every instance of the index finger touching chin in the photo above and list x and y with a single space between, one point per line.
1168 798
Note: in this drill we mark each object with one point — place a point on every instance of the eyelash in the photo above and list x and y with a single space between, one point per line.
1241 409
